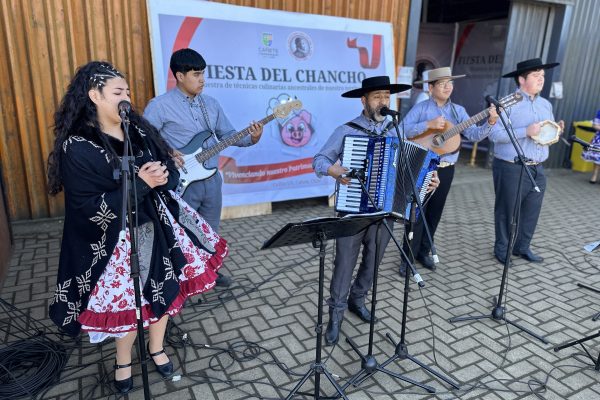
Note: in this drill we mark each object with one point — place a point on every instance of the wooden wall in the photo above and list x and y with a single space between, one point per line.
43 41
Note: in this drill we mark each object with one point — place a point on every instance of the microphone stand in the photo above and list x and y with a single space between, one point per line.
369 365
401 348
498 312
125 173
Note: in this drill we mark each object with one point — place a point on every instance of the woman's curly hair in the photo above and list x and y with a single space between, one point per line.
76 110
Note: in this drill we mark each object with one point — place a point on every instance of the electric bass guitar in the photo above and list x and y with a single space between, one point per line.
447 140
195 153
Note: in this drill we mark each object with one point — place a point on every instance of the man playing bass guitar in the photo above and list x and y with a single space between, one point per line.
183 113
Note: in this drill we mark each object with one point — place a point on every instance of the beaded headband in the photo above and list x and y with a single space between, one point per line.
99 79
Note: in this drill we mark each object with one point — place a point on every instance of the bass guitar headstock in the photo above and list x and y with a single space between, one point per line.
284 109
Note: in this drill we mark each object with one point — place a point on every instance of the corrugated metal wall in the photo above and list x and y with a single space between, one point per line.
581 66
527 37
43 41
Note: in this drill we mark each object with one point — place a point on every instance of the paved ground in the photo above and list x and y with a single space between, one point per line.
269 317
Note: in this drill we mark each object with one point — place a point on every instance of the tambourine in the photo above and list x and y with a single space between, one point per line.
549 133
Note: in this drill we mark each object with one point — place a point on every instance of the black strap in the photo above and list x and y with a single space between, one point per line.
454 113
356 126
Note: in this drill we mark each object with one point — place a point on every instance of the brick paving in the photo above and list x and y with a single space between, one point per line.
273 305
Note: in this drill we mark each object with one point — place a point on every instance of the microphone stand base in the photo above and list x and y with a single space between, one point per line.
498 314
370 366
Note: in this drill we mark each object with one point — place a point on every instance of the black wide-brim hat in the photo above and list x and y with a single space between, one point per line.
529 65
376 83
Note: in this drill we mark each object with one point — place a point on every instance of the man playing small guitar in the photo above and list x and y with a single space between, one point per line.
426 122
183 113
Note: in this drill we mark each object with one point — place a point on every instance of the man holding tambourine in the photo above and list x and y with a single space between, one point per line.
535 130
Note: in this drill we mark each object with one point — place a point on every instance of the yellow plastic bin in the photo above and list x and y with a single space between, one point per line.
578 163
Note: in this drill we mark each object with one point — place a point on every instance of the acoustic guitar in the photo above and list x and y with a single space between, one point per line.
195 153
447 140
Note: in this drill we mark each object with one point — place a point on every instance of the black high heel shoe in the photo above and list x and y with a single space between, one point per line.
166 369
125 385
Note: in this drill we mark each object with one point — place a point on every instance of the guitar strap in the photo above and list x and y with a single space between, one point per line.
205 115
368 132
454 113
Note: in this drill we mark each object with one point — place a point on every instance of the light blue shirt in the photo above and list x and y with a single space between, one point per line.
521 115
333 148
415 122
179 118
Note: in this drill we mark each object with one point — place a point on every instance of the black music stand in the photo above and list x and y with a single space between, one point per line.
596 316
596 362
317 232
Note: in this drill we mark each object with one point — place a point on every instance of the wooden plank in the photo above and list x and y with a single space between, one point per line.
249 210
36 30
21 79
5 238
10 145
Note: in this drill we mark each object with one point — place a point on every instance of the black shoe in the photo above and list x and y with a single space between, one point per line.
427 262
223 280
166 369
360 311
530 256
502 260
332 333
403 267
125 385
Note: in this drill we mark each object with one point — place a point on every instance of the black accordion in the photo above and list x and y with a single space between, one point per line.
378 160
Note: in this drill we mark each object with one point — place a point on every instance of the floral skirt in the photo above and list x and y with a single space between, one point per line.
111 307
593 156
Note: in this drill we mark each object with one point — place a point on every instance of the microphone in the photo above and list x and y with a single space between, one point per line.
356 173
124 108
492 100
386 111
586 145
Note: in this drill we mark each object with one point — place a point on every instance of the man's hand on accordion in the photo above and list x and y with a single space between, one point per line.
434 183
338 173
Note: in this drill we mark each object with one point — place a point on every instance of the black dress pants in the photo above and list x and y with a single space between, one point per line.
506 179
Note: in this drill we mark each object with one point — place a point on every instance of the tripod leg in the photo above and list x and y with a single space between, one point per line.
337 387
299 385
581 285
468 318
529 332
429 389
433 372
575 342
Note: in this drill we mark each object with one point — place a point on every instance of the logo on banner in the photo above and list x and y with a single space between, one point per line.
267 39
295 130
300 46
266 50
363 52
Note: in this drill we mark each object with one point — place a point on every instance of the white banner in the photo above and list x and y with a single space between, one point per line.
256 59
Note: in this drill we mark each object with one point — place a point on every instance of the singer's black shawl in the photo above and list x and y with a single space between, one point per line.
92 224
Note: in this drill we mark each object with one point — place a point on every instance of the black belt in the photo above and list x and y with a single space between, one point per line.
529 163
